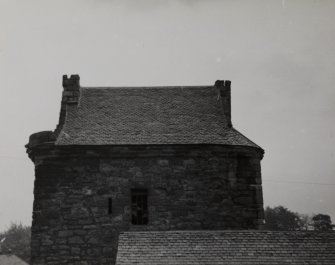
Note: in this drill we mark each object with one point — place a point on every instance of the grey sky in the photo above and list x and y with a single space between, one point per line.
279 55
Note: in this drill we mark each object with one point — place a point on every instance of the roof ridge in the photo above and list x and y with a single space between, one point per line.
145 87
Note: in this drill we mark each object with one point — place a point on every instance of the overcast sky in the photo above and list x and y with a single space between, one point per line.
279 55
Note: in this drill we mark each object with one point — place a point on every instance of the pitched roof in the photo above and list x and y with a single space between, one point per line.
226 247
10 259
148 115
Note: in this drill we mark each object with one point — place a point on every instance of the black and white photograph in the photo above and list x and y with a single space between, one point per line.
167 132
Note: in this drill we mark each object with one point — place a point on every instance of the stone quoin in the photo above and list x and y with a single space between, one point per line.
139 159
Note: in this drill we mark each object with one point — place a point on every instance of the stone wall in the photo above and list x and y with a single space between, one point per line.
189 188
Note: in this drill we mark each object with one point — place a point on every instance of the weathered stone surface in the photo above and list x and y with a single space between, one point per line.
76 240
65 233
190 188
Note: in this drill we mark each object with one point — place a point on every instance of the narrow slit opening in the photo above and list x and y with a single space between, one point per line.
110 208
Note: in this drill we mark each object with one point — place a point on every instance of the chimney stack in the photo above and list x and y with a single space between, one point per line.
71 89
223 87
70 96
71 83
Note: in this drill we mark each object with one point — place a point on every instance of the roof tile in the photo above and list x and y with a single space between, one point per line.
226 247
154 115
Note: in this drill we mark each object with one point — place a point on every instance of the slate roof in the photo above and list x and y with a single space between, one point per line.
148 115
226 247
10 259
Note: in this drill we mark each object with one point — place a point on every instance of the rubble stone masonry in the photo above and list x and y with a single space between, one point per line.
190 187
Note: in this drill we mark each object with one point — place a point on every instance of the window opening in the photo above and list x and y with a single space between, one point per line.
110 206
139 206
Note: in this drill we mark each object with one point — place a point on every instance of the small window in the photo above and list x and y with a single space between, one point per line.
139 206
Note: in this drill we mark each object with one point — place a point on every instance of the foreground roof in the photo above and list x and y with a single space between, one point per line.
149 115
226 247
10 259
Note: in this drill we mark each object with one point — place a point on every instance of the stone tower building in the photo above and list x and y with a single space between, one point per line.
139 159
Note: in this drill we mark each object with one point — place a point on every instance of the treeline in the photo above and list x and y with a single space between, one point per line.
16 240
281 219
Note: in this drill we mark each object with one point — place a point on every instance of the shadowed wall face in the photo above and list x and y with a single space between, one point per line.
83 197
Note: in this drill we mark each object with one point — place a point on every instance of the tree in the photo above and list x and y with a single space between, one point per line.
322 222
306 221
280 218
16 240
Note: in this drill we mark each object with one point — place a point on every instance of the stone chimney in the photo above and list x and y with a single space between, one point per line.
70 96
224 95
71 89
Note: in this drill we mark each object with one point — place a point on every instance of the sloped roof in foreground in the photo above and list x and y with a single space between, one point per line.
226 247
149 115
10 259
